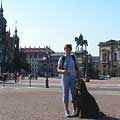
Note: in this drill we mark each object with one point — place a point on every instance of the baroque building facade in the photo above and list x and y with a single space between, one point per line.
43 60
40 60
109 53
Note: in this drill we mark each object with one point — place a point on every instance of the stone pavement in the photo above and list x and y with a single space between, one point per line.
39 103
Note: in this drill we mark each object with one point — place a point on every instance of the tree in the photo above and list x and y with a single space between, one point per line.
19 62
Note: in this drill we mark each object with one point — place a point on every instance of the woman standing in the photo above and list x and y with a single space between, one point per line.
70 73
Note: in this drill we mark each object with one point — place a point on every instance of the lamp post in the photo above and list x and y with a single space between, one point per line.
47 86
15 74
30 76
46 58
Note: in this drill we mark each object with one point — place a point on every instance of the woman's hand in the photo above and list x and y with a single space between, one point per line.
66 73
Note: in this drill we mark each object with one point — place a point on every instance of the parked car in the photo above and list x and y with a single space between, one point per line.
107 77
104 77
101 77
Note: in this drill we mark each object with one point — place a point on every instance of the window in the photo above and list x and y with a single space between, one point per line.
30 56
35 55
27 55
115 56
104 57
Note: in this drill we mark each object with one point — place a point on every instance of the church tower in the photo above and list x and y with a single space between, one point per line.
3 23
16 40
2 37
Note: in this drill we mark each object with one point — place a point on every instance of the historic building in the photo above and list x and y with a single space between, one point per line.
8 44
55 57
109 53
95 62
43 60
40 60
3 41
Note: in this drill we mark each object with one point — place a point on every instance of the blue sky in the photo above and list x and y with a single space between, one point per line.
57 22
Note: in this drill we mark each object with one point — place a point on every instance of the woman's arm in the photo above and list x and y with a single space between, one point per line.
61 71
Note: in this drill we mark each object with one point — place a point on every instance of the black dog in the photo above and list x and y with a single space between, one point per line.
86 104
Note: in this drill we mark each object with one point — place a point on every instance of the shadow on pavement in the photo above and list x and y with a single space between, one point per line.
109 118
104 118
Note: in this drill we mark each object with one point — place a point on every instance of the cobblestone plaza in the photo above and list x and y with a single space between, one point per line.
21 102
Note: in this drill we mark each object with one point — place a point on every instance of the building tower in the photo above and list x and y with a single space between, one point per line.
2 38
16 40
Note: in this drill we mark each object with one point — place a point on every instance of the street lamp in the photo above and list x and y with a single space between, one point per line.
46 58
15 75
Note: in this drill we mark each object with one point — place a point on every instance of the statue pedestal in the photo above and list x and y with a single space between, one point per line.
81 63
81 60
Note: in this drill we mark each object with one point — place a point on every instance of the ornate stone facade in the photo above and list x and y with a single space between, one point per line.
109 53
40 60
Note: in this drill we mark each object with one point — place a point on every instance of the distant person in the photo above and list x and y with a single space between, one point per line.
70 73
36 76
5 77
29 76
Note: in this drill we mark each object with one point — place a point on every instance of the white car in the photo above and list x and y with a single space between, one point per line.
106 77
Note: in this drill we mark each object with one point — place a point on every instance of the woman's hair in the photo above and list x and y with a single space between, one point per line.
68 46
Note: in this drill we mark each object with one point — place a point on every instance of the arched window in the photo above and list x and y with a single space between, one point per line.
115 56
104 57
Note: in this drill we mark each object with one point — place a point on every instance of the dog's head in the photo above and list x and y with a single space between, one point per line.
81 87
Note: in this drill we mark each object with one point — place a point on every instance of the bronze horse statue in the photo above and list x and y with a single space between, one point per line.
80 42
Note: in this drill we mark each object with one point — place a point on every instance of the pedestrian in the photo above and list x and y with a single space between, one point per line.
67 66
36 76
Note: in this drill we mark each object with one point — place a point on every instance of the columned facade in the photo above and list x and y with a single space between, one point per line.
109 53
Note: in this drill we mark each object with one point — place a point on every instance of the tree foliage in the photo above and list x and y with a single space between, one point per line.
19 62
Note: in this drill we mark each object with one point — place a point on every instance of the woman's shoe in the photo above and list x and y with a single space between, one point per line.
74 114
67 113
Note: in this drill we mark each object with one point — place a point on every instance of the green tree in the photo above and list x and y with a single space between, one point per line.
19 62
